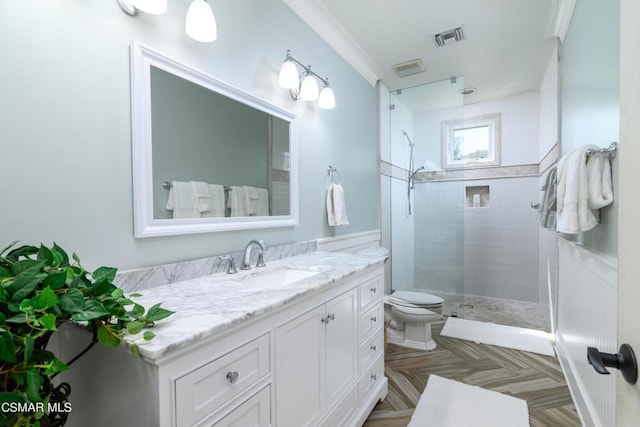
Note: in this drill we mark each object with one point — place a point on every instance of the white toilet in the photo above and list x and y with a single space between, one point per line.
411 314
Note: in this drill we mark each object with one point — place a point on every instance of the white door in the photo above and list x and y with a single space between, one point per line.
628 399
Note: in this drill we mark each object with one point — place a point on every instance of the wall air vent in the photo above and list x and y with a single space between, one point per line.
449 37
409 68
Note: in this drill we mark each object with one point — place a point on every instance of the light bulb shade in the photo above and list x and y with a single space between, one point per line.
309 88
200 23
153 7
327 99
288 78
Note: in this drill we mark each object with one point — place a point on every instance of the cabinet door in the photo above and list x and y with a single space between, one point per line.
342 344
300 370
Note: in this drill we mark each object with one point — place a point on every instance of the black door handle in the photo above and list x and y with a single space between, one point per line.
624 360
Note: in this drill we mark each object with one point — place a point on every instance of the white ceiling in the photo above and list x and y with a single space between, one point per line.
505 52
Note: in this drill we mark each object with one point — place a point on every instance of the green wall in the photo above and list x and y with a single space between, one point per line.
590 98
65 132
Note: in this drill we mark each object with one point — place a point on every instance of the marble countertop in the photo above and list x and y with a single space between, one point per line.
208 305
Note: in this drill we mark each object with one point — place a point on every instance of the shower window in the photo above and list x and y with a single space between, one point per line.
471 143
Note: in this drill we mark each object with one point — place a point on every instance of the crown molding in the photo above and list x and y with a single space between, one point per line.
560 18
316 15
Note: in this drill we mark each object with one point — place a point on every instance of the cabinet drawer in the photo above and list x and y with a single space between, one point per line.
341 415
202 391
254 412
371 378
371 319
371 289
371 349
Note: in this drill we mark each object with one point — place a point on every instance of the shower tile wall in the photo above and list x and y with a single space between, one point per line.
439 236
491 251
501 241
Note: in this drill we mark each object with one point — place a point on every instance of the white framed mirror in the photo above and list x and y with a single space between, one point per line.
206 156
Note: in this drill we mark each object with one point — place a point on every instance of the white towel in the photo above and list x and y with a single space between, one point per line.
203 194
336 209
182 200
548 204
263 201
237 201
217 202
599 179
574 214
252 199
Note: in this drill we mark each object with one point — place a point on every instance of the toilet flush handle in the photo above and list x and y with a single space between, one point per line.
624 360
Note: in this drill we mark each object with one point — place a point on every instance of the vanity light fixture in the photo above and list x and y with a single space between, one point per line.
304 85
135 7
200 23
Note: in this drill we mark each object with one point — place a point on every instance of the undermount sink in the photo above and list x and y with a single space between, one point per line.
280 277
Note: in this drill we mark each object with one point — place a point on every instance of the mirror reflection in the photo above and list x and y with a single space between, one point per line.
213 156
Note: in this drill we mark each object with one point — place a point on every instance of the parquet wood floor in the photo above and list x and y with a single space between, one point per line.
537 379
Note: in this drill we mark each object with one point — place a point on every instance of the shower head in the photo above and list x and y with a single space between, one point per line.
408 139
416 171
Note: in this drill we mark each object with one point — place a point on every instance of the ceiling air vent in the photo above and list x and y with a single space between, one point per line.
449 37
409 68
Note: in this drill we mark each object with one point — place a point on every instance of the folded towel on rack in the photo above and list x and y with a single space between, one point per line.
182 200
237 201
548 204
574 213
599 179
263 201
203 195
336 208
217 202
252 199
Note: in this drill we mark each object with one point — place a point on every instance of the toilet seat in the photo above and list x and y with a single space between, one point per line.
418 298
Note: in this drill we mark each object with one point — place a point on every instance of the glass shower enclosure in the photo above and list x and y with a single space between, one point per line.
422 206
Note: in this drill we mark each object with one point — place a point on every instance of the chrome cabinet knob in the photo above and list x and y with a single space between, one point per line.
232 376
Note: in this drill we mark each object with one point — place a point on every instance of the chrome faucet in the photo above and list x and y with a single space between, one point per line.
246 258
231 265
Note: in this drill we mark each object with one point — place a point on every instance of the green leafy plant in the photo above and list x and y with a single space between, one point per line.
40 289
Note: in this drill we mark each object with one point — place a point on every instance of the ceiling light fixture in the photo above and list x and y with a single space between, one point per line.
200 23
467 91
303 85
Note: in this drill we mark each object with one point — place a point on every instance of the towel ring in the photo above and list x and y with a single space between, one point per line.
332 172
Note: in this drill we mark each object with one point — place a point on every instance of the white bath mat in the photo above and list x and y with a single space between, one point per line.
504 336
448 403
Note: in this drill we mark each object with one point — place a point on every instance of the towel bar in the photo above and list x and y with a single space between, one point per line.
167 185
611 150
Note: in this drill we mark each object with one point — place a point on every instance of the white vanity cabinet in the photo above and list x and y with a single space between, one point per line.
315 360
371 336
